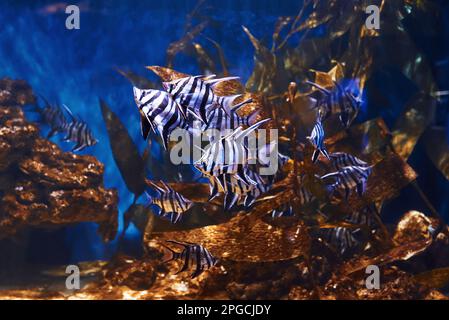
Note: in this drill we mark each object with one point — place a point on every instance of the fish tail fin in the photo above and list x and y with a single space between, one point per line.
170 255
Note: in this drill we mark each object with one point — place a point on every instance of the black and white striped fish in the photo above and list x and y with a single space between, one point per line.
236 190
171 204
341 238
338 101
340 160
77 131
304 197
229 154
221 119
159 111
350 178
317 139
54 117
366 216
196 93
193 256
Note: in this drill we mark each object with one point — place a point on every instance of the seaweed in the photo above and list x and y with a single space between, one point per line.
124 151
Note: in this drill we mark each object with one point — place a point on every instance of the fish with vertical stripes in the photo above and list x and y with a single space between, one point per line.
317 139
338 101
303 197
238 191
196 93
341 238
229 154
340 160
77 131
193 256
159 112
54 117
350 178
171 204
221 119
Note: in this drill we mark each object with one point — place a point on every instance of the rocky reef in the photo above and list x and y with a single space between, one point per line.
40 185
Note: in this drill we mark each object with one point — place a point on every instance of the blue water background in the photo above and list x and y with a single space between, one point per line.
76 67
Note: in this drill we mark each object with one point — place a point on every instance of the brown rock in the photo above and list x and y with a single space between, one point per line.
15 92
51 167
39 184
16 136
135 274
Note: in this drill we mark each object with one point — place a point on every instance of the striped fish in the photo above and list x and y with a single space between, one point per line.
54 117
350 178
345 239
196 93
193 256
341 238
172 205
221 119
303 197
339 101
237 190
77 131
317 139
158 111
340 160
228 155
366 216
261 187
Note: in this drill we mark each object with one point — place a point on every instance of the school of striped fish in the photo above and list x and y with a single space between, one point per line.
225 164
190 99
349 173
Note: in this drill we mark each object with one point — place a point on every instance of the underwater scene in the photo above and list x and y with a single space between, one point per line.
232 150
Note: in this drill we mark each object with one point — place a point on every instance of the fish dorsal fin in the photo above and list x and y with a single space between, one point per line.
209 77
138 93
69 112
166 186
214 82
158 189
47 104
